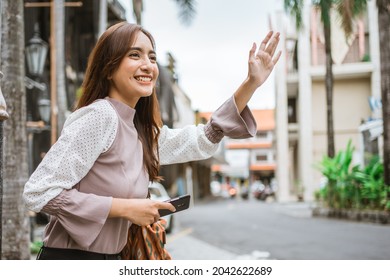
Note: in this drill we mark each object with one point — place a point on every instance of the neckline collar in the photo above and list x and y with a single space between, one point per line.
123 110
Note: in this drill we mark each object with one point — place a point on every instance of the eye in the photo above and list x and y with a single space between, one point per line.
153 58
134 55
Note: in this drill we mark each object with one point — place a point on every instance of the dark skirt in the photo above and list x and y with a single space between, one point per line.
48 253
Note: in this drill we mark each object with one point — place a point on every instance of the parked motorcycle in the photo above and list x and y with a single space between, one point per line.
262 192
244 193
232 192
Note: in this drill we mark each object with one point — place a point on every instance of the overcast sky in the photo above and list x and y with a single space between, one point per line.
212 52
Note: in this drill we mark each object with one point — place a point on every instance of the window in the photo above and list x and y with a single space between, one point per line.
261 158
262 134
292 110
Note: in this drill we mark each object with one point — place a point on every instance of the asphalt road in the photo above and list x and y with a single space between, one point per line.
280 231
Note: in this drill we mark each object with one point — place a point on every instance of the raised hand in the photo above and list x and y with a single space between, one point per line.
261 64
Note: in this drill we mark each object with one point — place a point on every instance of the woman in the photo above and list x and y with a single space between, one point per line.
94 180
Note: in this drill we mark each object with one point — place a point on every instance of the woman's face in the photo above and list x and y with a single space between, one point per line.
137 73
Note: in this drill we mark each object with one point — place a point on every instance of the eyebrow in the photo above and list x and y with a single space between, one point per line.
140 49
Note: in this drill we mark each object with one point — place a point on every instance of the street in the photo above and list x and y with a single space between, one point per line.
251 229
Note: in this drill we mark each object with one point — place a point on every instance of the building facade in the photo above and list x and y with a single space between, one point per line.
248 160
70 29
301 130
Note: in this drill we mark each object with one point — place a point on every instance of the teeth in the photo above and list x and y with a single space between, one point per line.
144 79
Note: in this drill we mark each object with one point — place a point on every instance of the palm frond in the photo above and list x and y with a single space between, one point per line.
325 7
348 10
295 8
187 10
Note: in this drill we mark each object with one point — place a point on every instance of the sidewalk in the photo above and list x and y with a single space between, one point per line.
183 246
295 209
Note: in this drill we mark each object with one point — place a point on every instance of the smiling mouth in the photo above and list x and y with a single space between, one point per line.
143 79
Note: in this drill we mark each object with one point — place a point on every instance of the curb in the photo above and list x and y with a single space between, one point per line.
368 216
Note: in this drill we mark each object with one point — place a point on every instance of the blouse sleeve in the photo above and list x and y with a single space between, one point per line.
227 121
87 133
82 215
201 141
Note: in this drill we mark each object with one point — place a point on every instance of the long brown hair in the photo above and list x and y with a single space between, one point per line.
112 46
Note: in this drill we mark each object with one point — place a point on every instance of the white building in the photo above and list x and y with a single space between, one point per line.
301 131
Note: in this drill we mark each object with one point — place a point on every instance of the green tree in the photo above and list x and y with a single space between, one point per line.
15 237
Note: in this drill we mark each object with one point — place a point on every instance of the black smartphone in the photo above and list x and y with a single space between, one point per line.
181 203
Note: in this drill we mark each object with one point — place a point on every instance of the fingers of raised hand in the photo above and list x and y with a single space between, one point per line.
276 58
270 43
271 48
252 51
264 43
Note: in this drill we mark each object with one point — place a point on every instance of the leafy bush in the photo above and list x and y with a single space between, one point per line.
35 247
353 187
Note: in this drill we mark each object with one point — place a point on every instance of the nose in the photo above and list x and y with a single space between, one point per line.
147 65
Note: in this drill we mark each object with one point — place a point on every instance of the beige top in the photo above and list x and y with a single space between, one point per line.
99 156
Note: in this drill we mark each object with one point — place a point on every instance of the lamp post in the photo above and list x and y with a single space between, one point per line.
44 107
36 54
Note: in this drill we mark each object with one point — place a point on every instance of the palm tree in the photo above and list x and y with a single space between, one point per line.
16 236
295 8
325 6
384 39
187 10
348 10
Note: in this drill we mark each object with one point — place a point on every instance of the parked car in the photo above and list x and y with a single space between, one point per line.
158 192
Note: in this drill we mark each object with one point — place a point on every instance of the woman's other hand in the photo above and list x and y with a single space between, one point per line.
139 211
